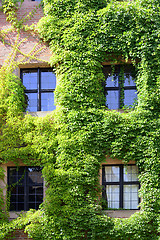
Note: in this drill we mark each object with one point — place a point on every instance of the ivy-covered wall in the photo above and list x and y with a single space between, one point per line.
72 142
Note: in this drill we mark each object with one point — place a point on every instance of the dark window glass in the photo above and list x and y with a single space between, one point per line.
120 87
40 85
120 186
27 190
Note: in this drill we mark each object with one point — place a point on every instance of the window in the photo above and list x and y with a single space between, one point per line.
25 188
40 85
120 87
120 186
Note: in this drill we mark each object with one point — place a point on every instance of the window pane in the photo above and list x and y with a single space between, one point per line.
20 206
112 193
32 198
48 79
130 173
130 196
112 99
129 75
39 198
35 178
128 80
39 190
13 198
47 101
30 79
20 198
111 79
112 173
20 190
32 102
130 95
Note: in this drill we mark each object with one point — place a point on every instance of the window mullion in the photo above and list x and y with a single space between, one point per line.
121 187
25 189
119 89
38 90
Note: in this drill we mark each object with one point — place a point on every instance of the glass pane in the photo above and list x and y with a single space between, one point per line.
39 190
130 196
12 206
111 79
129 75
13 171
30 79
32 190
20 198
112 193
32 205
39 198
32 102
48 80
35 178
37 206
130 96
13 190
130 173
128 80
13 198
32 198
47 101
112 99
12 179
20 190
20 206
112 173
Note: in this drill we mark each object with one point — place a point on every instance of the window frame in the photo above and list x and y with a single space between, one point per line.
38 90
120 183
118 88
26 186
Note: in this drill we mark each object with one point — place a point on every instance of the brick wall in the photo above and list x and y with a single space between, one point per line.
18 235
27 39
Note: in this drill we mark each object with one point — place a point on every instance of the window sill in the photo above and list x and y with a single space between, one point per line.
38 114
14 214
119 213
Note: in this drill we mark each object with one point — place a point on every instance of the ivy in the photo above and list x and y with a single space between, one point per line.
72 142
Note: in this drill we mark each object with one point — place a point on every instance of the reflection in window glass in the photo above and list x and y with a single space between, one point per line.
47 101
48 80
30 79
112 99
32 102
129 80
129 97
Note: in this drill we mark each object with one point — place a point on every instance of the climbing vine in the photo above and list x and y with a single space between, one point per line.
72 143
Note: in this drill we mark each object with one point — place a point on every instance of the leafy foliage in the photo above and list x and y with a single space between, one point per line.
72 143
